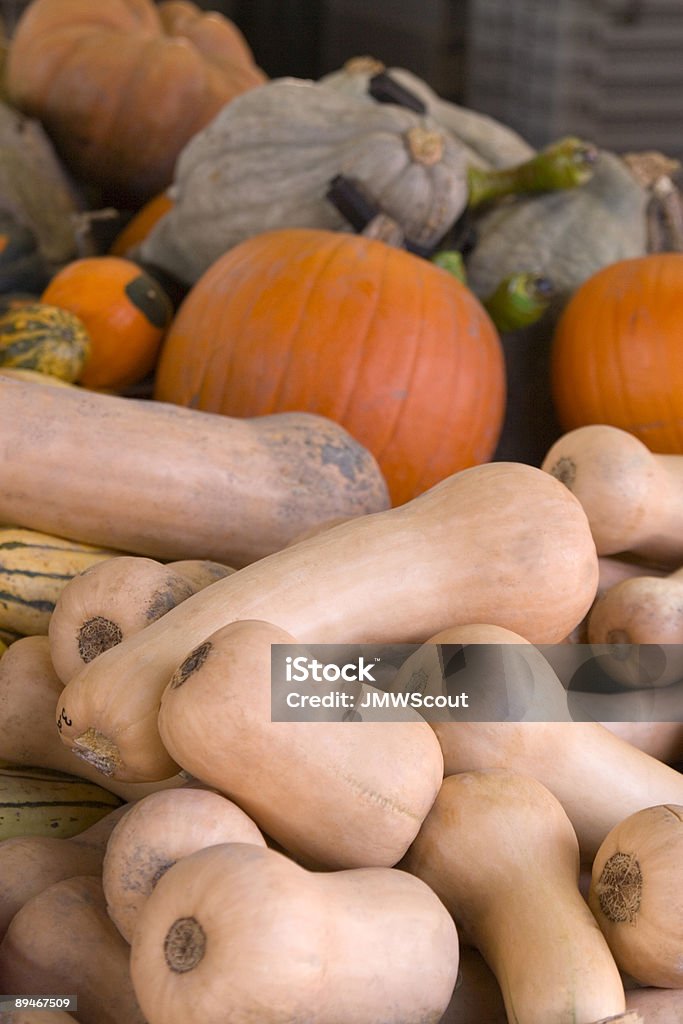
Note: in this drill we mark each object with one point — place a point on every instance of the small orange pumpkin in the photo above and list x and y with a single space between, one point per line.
385 343
616 355
125 311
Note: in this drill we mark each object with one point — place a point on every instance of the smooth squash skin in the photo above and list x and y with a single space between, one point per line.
340 794
200 572
633 498
62 940
157 831
636 894
28 864
240 933
598 777
29 691
641 619
97 610
503 543
499 851
252 485
502 684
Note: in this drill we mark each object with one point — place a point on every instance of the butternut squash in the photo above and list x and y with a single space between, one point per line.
240 933
636 894
663 740
29 864
640 620
29 690
157 831
502 543
200 572
613 569
598 778
499 851
101 606
657 1005
477 998
632 497
251 484
503 683
332 793
62 940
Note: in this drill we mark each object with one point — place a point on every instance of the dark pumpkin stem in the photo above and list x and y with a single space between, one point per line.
360 211
566 164
385 89
351 202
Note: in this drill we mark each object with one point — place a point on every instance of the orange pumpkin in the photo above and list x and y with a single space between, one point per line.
121 86
125 312
385 343
616 355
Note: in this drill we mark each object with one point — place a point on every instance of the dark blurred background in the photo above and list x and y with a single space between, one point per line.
610 70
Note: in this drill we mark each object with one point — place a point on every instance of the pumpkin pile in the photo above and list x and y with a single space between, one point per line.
262 343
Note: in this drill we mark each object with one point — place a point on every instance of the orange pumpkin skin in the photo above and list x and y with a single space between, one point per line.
381 341
125 311
121 86
616 351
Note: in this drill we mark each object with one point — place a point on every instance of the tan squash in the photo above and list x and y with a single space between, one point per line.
633 498
338 793
598 778
103 605
341 587
156 832
347 947
200 572
657 1005
29 864
641 621
29 690
62 940
503 676
251 484
636 894
663 740
498 849
477 998
613 569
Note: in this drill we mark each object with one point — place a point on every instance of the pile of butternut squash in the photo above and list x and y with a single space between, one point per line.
170 851
349 872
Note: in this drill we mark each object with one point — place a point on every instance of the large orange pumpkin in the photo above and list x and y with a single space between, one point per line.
617 354
122 85
387 344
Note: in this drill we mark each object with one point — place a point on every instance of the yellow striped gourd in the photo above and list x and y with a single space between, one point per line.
34 569
40 336
41 802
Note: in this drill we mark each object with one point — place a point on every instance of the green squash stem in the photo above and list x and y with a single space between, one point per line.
564 164
452 261
519 301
